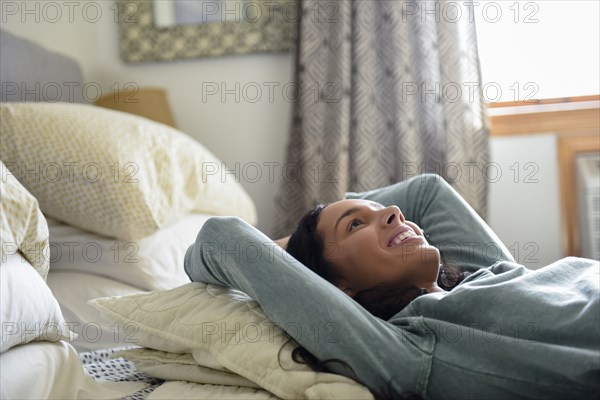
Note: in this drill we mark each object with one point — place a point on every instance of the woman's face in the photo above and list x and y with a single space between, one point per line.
370 244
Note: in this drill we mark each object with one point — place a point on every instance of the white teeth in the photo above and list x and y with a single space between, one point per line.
404 235
401 237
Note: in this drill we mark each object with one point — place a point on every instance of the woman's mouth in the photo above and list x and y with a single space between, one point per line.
401 236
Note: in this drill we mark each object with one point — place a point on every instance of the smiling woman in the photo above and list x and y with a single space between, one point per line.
396 317
372 253
375 244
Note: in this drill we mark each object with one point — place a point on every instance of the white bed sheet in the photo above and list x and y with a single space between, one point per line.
73 290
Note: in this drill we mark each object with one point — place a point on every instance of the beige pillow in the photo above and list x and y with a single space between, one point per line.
233 328
114 173
22 226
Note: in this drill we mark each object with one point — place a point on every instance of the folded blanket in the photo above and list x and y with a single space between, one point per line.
181 367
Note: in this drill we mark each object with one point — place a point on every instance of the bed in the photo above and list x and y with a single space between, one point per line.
98 209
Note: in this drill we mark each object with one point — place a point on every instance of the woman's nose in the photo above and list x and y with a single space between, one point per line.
391 214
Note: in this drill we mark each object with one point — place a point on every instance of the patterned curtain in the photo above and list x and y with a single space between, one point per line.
386 90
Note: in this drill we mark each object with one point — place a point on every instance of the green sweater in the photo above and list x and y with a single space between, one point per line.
506 332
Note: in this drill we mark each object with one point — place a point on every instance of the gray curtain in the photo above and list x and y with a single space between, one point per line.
386 90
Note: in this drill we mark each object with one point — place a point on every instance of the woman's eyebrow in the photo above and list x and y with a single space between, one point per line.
352 210
344 215
376 204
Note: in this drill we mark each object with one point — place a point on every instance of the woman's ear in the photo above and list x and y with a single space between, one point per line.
282 242
348 291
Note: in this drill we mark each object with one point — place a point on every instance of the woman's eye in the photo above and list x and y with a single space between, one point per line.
354 223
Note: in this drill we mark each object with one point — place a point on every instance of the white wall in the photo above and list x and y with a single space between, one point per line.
525 215
524 208
253 130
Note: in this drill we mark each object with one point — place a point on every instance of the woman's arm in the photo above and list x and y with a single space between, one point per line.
449 222
316 314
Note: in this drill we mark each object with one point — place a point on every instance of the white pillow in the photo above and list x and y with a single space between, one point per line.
22 226
114 173
53 370
28 310
231 326
150 263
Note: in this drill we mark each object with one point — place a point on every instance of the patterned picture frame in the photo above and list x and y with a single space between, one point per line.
271 29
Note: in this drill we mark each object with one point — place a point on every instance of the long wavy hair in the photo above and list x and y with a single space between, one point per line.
384 300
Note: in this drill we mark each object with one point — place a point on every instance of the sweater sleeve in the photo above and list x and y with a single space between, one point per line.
320 317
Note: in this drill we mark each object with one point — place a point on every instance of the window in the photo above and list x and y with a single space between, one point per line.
538 49
547 51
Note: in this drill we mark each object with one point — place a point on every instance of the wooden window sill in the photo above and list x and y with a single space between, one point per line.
576 123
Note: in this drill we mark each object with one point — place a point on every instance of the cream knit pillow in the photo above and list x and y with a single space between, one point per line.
113 173
22 226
